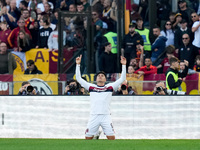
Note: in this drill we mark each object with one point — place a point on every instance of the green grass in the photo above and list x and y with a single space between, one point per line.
77 144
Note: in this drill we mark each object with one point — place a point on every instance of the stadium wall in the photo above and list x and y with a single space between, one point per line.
134 117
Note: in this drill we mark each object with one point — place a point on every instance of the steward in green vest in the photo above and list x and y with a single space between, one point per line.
144 32
112 38
173 76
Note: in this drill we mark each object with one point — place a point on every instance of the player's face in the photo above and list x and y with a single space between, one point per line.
101 78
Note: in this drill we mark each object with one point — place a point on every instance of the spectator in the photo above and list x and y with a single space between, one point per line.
4 32
176 24
179 33
80 7
72 88
41 6
47 10
134 63
23 5
43 33
147 69
98 5
55 16
7 60
143 10
85 4
187 51
197 64
97 22
165 63
158 46
131 69
160 89
29 22
129 43
24 42
185 10
106 15
111 37
27 89
144 32
173 77
168 32
12 38
107 61
64 4
13 11
182 69
32 68
53 40
134 13
196 30
194 18
172 17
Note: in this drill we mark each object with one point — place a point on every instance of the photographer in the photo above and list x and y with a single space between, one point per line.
160 89
72 88
27 89
124 89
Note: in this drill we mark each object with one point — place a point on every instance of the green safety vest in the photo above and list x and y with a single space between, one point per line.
145 35
112 38
175 78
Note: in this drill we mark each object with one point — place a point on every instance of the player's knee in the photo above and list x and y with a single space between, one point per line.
111 137
88 138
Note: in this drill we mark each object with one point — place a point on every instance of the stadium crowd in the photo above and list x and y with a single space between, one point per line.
27 24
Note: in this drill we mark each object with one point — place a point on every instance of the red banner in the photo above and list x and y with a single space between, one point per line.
5 81
53 59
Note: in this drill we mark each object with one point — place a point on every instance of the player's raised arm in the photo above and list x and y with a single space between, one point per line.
123 74
83 83
78 60
123 60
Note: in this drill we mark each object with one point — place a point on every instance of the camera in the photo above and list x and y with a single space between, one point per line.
159 89
72 88
123 87
29 90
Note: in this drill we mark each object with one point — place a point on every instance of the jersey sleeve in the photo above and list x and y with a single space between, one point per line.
83 83
118 82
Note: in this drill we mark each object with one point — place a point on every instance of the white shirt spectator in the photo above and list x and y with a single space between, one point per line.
169 36
196 41
41 6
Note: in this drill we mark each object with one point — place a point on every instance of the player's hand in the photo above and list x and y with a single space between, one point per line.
78 59
123 60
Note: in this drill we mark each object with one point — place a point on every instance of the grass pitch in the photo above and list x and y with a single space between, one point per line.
78 144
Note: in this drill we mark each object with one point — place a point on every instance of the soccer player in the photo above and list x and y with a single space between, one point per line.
100 98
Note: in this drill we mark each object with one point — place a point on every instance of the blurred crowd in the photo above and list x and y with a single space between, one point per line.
27 24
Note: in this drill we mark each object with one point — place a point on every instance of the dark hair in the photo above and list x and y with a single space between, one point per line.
30 62
79 3
101 72
45 19
25 82
24 3
156 26
164 28
170 49
139 18
172 60
198 57
106 44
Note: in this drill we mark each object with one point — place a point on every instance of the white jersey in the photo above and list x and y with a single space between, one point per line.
100 96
